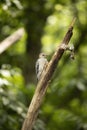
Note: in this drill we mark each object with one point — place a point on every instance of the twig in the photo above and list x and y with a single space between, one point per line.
11 40
43 83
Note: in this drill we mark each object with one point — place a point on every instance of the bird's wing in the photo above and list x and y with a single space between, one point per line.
37 67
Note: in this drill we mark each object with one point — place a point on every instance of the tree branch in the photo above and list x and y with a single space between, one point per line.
11 39
43 83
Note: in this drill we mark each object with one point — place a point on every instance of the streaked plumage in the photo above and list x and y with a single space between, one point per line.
41 64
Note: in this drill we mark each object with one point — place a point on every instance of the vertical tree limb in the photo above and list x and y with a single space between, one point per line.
43 83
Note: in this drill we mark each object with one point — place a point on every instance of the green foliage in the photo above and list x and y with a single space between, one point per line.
10 13
14 98
65 104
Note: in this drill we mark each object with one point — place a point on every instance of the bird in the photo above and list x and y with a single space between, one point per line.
41 65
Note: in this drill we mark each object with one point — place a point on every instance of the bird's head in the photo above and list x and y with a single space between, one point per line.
42 55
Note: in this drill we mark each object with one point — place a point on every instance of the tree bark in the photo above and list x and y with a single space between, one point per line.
43 83
11 40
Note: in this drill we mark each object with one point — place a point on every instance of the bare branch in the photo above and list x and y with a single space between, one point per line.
43 83
11 40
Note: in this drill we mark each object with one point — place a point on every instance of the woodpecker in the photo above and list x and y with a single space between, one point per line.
41 65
